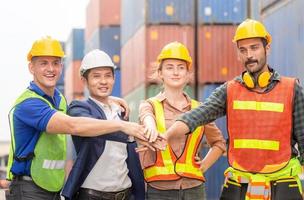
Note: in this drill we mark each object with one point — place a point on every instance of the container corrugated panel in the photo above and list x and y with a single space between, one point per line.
287 47
215 174
74 47
134 98
106 39
217 54
140 52
101 13
73 85
154 89
222 11
117 86
132 17
61 79
138 12
170 12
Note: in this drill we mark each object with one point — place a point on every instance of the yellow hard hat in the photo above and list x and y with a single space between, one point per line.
175 50
251 29
46 47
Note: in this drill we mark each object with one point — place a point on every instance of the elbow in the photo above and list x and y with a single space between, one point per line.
73 127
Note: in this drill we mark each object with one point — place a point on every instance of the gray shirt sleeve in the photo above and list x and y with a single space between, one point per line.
213 107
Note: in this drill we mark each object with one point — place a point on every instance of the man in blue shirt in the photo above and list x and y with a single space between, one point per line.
38 122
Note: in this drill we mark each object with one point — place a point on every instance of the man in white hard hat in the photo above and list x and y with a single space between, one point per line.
38 122
107 167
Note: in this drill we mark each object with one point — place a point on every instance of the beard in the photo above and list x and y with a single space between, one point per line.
260 65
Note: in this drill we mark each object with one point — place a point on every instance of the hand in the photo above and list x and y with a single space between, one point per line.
159 145
123 104
151 133
134 129
4 184
143 146
200 162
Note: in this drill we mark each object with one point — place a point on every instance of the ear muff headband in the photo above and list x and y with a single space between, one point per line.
262 79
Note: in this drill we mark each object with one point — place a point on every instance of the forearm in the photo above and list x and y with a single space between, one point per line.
178 128
212 156
82 126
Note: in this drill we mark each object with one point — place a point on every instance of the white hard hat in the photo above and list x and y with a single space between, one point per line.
95 58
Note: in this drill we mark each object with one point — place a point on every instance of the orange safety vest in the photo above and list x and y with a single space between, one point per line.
167 166
260 126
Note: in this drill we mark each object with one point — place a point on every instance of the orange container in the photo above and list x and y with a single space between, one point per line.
101 13
138 55
73 85
217 54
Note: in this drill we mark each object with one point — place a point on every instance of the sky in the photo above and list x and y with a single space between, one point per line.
23 22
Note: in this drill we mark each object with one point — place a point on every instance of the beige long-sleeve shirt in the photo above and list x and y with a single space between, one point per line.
147 158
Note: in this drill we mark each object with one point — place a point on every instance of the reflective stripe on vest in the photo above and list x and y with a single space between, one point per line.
47 167
259 184
260 126
167 166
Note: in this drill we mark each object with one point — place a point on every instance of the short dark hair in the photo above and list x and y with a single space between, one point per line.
86 73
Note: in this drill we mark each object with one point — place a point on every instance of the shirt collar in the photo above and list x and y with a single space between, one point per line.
114 107
54 100
161 96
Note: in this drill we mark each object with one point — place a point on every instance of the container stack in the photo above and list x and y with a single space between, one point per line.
73 85
146 27
102 32
60 82
287 47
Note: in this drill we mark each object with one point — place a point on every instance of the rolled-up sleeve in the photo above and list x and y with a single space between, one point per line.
145 109
214 136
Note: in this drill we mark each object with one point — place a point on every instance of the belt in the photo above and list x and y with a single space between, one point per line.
22 178
121 195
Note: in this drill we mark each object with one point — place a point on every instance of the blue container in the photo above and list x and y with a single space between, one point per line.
135 13
214 175
74 47
287 47
222 11
108 40
117 86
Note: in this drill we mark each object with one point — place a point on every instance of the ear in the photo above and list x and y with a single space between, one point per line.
267 49
31 68
84 80
160 74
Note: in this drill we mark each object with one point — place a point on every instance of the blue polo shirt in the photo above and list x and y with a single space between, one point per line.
30 119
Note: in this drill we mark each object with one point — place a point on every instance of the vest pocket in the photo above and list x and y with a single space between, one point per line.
286 189
231 191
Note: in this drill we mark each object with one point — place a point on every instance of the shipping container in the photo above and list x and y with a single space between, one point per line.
154 89
134 98
101 13
135 13
74 47
215 175
285 22
61 79
267 3
117 86
217 54
73 85
106 39
138 55
222 11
